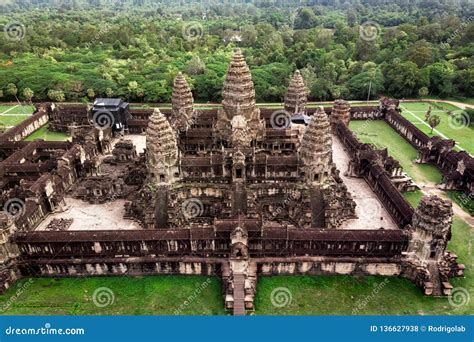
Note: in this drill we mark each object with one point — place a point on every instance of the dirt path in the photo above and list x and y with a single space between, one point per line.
461 105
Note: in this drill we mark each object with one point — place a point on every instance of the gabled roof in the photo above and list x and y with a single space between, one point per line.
108 102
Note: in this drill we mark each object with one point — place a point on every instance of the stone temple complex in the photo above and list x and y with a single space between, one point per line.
224 192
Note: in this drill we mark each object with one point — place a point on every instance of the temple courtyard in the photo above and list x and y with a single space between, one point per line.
310 295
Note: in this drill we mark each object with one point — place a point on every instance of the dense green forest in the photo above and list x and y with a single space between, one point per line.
77 50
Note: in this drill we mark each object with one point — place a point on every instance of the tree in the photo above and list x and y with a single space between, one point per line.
402 78
305 19
109 92
90 93
28 94
428 114
441 76
433 121
359 85
351 17
423 92
195 66
56 95
134 90
11 89
421 53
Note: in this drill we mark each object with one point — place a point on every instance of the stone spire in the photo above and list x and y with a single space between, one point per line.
182 103
238 95
341 112
296 96
161 149
316 148
432 222
238 98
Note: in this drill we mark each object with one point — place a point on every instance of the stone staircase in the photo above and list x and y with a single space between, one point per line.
239 294
435 279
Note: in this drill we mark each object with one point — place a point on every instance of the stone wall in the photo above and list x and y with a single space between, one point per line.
208 242
328 266
120 266
457 167
24 129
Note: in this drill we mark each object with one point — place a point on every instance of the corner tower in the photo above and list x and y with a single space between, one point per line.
316 149
161 150
341 112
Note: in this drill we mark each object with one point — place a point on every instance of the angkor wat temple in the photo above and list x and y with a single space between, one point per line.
238 192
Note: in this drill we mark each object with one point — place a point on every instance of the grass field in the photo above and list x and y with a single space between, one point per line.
415 113
346 295
382 135
152 295
47 135
462 200
13 115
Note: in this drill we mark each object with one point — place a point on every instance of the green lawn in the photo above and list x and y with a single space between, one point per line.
414 197
47 135
448 127
346 295
462 200
380 134
151 295
13 115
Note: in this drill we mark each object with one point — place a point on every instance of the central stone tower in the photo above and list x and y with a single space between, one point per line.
296 97
238 98
182 104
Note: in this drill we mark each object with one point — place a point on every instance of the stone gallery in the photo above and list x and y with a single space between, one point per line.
239 192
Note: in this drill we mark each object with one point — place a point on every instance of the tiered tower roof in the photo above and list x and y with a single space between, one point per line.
182 98
316 147
296 97
161 147
341 111
238 96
